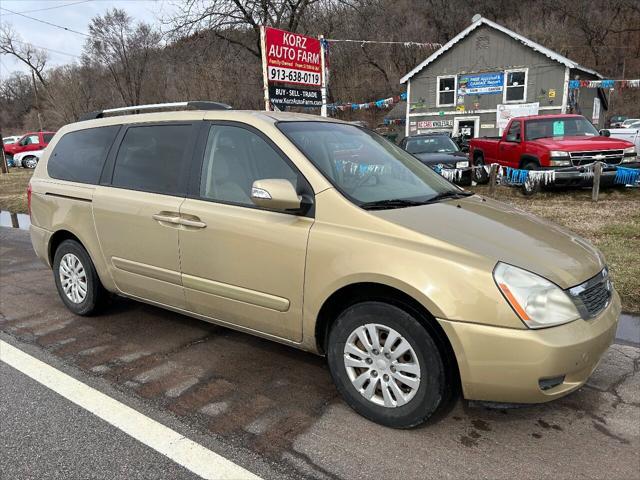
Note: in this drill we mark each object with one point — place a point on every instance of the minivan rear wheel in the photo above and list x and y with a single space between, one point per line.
386 365
76 279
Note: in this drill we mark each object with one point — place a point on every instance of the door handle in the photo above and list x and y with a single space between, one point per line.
192 223
166 218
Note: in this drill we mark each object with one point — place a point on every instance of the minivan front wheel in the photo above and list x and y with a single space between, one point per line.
76 279
386 365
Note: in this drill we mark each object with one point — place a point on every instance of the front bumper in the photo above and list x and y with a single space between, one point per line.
506 365
574 176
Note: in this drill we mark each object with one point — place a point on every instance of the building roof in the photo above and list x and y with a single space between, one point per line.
525 41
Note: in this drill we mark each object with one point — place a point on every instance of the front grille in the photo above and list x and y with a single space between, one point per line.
592 296
612 157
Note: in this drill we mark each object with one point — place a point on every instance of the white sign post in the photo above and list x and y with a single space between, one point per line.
265 76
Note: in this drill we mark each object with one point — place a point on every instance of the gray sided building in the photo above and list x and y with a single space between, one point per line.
487 74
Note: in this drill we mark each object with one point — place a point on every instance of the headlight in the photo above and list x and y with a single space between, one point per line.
630 155
462 164
559 158
538 302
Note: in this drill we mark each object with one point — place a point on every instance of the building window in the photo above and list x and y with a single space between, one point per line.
515 82
446 91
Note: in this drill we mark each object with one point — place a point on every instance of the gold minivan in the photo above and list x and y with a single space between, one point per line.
323 236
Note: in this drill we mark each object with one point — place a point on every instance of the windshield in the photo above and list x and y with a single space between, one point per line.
365 167
431 144
561 127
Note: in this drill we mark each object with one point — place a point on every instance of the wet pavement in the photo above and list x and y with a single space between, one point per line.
279 405
14 220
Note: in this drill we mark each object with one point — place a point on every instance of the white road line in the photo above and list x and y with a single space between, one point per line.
184 452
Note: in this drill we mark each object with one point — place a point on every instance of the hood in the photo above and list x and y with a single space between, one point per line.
436 158
576 144
500 232
11 147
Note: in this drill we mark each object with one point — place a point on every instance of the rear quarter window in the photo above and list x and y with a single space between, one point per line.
47 137
153 159
80 155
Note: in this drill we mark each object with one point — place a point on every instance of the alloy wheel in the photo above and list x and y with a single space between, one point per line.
73 278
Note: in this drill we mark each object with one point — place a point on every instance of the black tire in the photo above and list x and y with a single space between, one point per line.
96 295
29 162
433 390
527 188
479 175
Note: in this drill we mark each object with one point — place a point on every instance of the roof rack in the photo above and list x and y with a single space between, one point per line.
193 105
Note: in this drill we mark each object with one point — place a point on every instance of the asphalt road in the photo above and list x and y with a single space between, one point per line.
268 407
47 436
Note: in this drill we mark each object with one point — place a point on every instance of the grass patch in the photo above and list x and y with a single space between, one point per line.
612 224
13 190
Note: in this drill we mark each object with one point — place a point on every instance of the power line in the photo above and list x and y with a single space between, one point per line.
48 49
49 8
45 22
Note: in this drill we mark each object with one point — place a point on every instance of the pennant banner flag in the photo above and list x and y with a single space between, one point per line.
573 84
382 103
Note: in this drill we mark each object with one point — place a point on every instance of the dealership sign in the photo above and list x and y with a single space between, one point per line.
506 112
294 97
480 83
292 58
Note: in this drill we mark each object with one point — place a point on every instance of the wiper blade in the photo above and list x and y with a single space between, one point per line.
390 203
449 194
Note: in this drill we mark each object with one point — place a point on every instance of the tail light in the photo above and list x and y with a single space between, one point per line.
29 198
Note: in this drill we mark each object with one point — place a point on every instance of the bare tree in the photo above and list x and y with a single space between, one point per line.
124 49
34 58
229 19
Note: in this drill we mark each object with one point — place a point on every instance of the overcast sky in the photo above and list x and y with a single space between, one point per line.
75 17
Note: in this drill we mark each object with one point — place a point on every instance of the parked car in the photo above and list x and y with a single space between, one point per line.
31 141
326 237
27 159
438 150
633 126
10 140
616 121
629 121
629 134
561 142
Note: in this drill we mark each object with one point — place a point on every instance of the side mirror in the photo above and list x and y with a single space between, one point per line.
605 133
275 194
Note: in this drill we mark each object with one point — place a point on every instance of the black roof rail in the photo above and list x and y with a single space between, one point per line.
192 105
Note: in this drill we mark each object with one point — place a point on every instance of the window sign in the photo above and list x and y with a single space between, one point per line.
558 128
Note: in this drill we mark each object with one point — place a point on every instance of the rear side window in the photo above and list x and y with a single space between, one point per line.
47 137
152 159
80 155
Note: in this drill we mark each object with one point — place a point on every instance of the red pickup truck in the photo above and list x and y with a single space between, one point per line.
31 141
560 142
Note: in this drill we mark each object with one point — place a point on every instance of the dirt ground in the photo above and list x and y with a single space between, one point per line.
612 224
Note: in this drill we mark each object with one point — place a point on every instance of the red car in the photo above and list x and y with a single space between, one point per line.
29 142
560 142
